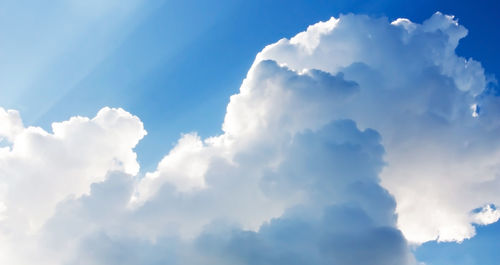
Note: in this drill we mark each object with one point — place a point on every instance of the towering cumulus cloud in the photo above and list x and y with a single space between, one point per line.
346 144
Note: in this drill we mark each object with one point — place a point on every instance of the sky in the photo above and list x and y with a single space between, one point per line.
235 132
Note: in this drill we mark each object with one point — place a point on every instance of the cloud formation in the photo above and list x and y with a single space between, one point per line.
344 143
342 211
39 169
431 106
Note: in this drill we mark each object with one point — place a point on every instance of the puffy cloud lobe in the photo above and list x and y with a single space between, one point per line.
487 215
274 99
10 124
342 235
38 169
185 165
395 50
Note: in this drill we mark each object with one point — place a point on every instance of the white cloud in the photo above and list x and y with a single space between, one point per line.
10 124
39 169
486 216
185 166
342 211
275 177
417 93
407 83
292 179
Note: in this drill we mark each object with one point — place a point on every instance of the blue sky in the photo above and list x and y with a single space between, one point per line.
482 249
175 65
144 60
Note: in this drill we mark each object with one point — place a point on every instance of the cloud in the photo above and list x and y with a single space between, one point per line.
345 217
38 169
403 80
10 124
344 143
343 211
431 107
269 190
487 215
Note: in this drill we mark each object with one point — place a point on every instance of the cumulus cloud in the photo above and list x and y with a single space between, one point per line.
38 169
342 211
345 143
424 100
402 79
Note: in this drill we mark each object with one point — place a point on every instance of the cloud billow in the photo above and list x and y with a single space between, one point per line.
345 144
344 215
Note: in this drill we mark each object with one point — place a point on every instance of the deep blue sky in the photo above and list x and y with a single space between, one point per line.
480 250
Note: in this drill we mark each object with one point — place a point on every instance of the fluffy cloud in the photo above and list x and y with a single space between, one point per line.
38 169
403 79
342 211
10 125
268 190
326 126
432 108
